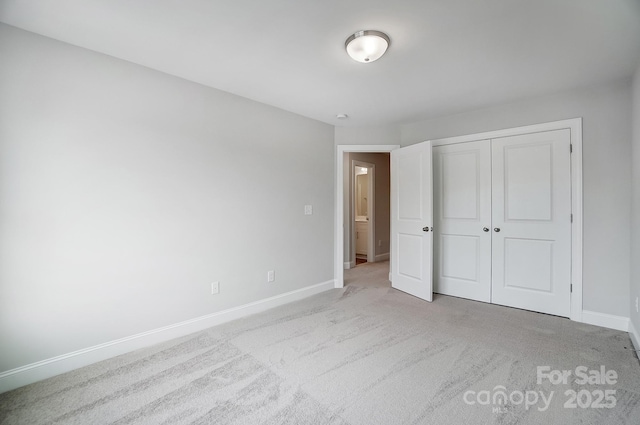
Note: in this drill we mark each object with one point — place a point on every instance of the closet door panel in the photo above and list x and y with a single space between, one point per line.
462 192
531 220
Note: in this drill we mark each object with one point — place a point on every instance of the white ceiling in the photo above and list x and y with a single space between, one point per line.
446 56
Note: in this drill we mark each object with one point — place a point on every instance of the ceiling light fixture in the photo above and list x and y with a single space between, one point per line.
367 46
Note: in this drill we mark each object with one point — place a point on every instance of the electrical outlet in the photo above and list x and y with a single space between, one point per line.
308 209
215 288
271 276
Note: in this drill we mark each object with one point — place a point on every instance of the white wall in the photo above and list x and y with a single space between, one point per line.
606 112
383 135
124 192
635 216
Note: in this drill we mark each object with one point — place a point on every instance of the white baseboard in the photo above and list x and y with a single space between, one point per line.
635 336
38 371
349 265
382 257
610 321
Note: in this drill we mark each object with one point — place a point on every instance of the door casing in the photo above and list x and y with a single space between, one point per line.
575 127
340 205
371 225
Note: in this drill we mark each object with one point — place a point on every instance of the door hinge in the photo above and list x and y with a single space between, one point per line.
570 148
571 287
572 218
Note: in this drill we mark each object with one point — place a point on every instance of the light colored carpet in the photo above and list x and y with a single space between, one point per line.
365 354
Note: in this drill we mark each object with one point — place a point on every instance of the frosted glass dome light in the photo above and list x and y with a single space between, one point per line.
367 46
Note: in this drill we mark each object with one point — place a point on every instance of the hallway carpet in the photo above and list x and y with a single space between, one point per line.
366 354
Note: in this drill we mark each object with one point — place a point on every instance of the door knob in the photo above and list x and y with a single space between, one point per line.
496 229
485 229
425 229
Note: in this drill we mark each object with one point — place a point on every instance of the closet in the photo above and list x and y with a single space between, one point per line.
502 221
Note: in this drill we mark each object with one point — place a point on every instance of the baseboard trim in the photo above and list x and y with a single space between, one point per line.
349 265
635 336
382 257
38 371
610 321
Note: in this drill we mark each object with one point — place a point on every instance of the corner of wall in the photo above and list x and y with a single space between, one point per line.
634 292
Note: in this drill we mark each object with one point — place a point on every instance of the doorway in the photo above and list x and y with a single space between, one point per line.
343 205
363 204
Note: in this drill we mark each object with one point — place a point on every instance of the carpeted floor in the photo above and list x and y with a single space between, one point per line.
365 354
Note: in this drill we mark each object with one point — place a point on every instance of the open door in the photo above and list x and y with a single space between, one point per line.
412 220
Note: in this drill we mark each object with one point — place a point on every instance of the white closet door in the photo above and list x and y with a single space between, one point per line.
462 238
532 222
412 220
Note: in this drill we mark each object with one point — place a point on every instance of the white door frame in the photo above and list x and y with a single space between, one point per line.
371 225
575 127
339 217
